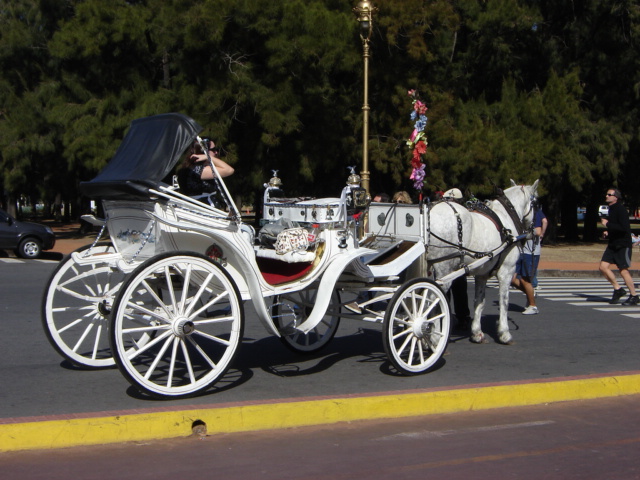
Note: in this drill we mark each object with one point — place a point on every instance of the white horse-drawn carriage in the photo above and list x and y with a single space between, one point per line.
164 299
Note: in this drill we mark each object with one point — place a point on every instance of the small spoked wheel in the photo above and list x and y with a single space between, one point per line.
292 309
76 307
416 326
176 325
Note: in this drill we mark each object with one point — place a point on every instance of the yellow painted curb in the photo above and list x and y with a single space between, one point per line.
158 425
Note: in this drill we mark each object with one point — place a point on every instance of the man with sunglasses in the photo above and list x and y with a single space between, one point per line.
618 251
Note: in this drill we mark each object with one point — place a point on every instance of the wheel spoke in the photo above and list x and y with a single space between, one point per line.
73 324
172 363
72 309
146 311
196 298
204 321
411 350
140 348
421 351
406 341
211 363
209 304
157 299
172 293
83 336
185 290
147 328
96 341
79 296
402 333
159 356
187 360
219 340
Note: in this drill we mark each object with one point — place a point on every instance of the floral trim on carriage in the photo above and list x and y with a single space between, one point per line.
418 139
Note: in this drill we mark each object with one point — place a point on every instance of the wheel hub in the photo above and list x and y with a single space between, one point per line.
183 327
422 328
104 308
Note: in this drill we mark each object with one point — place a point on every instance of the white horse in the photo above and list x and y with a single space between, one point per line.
459 237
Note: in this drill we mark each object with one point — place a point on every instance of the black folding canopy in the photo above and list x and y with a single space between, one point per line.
148 153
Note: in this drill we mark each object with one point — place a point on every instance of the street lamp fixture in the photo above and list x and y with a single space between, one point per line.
364 13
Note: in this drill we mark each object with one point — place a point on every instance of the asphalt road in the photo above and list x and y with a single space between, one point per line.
562 341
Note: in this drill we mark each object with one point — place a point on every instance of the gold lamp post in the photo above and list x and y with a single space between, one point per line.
364 13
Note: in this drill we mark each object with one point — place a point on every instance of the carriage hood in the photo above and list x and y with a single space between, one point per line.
148 153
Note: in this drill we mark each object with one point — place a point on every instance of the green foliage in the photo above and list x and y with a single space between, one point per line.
516 89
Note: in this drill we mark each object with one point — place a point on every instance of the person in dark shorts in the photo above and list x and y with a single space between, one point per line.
618 251
527 265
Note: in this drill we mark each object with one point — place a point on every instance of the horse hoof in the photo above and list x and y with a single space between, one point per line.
506 340
478 338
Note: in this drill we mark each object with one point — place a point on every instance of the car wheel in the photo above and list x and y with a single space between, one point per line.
29 248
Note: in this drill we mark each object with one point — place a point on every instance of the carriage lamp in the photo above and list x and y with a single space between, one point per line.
364 13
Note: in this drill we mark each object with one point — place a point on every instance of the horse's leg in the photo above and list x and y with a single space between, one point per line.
504 279
478 306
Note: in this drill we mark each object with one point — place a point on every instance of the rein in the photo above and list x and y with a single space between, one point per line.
508 206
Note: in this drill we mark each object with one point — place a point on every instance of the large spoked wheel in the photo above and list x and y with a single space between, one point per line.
416 326
76 307
176 325
293 308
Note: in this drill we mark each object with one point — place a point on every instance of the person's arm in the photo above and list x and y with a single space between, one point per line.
543 228
224 169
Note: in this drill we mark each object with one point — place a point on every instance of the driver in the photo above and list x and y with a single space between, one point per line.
196 177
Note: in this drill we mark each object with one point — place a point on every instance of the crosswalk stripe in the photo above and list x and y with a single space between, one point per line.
19 260
591 292
620 309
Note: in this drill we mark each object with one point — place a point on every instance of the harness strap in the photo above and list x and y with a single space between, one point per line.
508 206
484 210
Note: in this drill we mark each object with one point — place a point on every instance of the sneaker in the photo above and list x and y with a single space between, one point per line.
617 295
530 310
632 300
353 307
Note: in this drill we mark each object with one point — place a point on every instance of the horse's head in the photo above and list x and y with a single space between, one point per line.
523 198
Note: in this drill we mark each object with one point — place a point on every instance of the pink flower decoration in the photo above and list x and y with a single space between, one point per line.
417 141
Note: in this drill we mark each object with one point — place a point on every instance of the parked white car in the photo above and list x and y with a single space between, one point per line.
603 210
